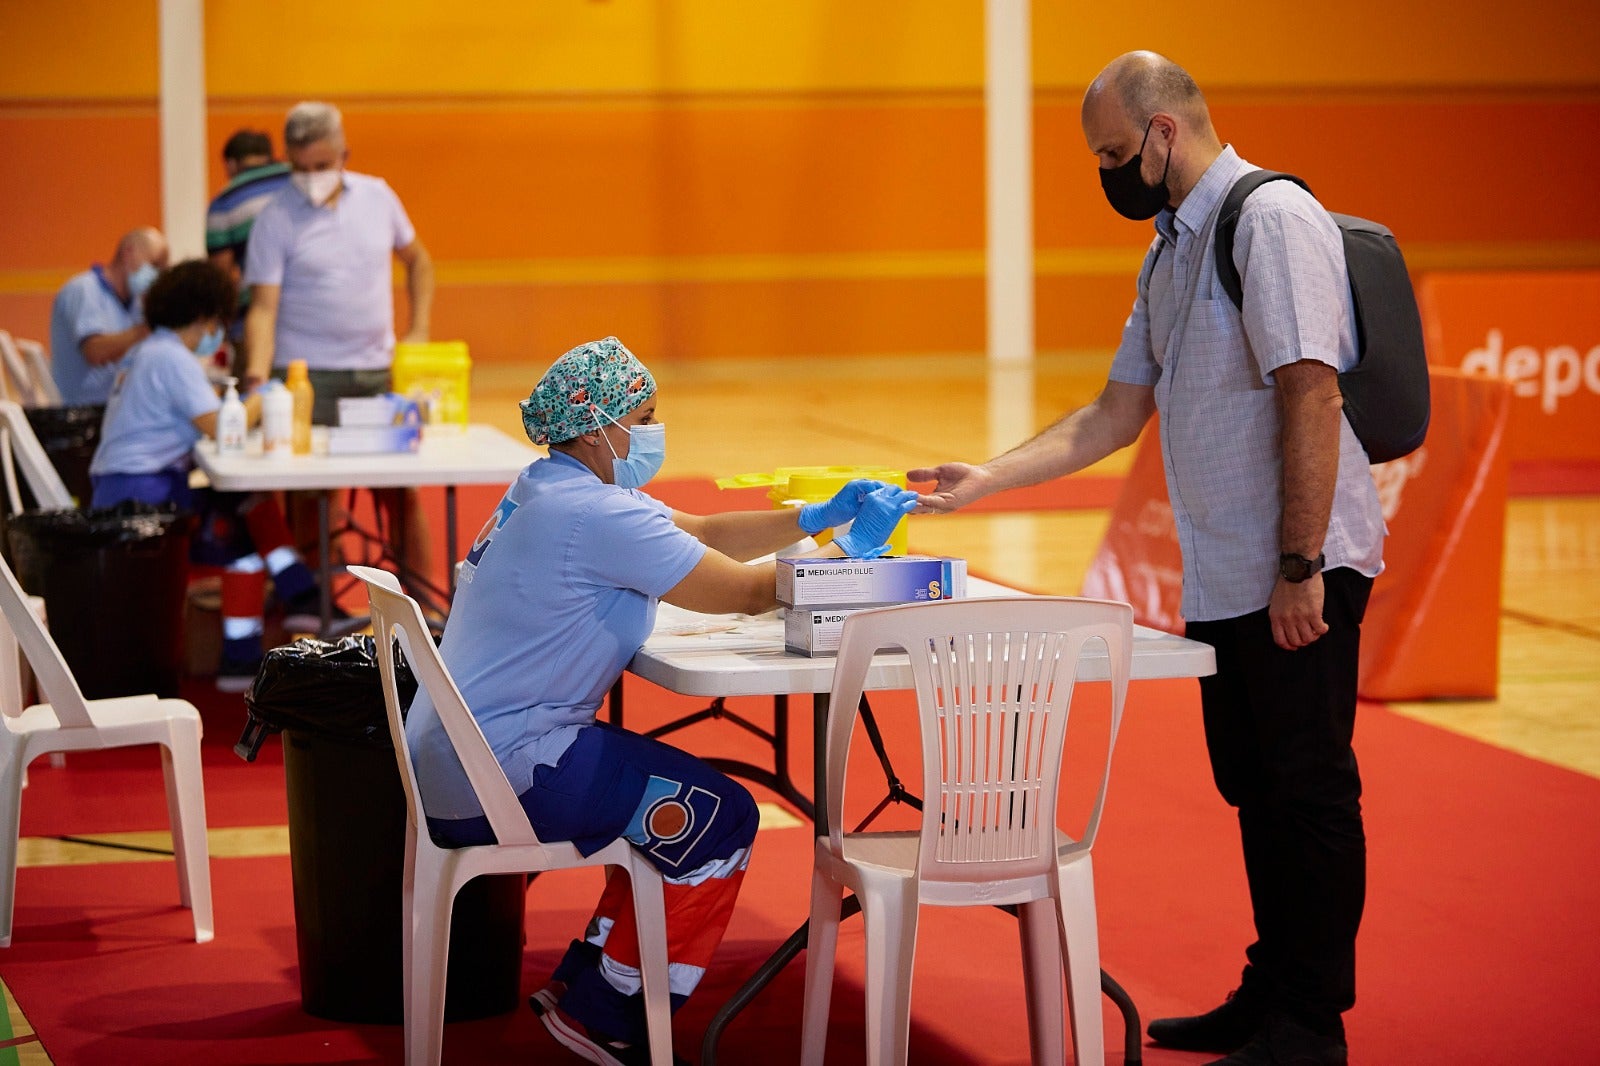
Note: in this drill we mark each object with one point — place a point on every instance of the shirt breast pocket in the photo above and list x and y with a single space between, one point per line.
1214 350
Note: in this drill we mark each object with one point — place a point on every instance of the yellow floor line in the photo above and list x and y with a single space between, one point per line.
19 1044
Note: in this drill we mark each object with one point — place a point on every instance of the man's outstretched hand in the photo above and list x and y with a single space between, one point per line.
956 485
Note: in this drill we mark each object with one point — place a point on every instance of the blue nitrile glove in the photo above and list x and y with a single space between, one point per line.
880 512
815 517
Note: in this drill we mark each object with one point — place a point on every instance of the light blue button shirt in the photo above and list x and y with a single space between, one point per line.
85 306
336 304
1212 370
557 593
159 391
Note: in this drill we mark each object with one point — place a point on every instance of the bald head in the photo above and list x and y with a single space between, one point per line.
136 248
1145 84
1145 103
146 244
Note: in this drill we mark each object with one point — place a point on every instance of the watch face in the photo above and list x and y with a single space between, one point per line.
1297 568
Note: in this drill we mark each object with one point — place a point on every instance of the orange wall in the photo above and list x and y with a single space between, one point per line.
706 184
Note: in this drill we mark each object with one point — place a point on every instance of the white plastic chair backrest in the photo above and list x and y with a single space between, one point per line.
994 681
19 446
15 369
396 616
55 678
45 391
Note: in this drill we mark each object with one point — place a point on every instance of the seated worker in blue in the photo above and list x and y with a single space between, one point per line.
556 595
160 405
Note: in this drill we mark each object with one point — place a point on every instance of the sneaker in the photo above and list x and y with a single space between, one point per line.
1223 1029
1283 1041
234 675
579 1039
303 613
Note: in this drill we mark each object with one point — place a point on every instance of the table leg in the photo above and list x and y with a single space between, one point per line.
325 562
450 557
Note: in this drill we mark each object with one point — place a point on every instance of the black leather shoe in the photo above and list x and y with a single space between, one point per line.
1226 1028
1285 1042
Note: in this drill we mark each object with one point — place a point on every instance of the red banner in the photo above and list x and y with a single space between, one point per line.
1538 331
1433 626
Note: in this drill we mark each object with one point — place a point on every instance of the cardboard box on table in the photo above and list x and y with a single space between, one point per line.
1432 627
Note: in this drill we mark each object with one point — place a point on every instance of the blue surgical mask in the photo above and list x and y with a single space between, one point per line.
140 279
209 342
647 450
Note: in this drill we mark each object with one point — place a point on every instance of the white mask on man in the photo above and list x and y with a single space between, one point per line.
317 185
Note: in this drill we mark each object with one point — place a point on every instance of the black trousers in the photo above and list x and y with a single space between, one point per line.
1278 728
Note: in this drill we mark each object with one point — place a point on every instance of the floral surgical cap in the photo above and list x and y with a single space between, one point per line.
601 374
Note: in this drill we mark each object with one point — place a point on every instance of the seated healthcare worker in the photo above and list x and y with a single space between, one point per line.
160 405
557 593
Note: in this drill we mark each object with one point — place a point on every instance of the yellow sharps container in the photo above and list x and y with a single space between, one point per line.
790 486
438 375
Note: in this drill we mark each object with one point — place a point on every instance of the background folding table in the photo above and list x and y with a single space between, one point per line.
476 455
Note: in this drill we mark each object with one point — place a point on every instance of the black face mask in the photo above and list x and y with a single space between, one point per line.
1126 191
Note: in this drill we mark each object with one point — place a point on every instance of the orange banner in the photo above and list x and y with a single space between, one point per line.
1433 625
1539 331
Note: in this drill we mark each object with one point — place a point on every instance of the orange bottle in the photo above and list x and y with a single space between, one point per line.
299 383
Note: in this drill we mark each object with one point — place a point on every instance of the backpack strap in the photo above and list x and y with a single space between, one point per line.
1228 221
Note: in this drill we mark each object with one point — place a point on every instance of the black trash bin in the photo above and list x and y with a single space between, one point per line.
347 840
69 436
113 583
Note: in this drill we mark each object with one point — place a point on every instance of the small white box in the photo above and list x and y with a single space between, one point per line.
374 440
878 582
815 630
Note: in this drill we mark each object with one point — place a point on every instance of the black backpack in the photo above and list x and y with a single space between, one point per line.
1386 392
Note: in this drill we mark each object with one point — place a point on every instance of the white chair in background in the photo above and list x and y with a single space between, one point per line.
19 446
68 722
45 390
994 680
16 368
434 874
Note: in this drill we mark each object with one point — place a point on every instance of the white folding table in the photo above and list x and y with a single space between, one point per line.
475 455
699 655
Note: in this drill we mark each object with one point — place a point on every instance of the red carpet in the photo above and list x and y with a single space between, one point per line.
1477 945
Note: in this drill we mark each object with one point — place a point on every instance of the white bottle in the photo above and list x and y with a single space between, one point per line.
277 421
231 422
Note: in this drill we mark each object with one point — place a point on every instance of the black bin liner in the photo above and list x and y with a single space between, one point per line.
347 841
113 583
69 436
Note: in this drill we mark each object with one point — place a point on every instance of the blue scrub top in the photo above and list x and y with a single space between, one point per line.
158 392
557 594
85 306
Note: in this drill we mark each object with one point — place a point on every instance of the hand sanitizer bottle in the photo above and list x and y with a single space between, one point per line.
231 422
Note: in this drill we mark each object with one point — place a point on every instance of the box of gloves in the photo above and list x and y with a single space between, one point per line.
819 594
375 425
870 582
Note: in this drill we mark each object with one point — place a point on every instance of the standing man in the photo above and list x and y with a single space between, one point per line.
1279 523
318 268
96 317
253 178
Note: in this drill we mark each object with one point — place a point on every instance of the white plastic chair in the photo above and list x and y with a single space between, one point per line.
994 681
20 447
16 368
46 392
434 874
71 723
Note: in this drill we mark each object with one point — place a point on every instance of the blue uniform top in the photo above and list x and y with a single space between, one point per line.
85 306
556 595
158 393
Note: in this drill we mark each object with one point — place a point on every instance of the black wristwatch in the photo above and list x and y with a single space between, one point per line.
1297 568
